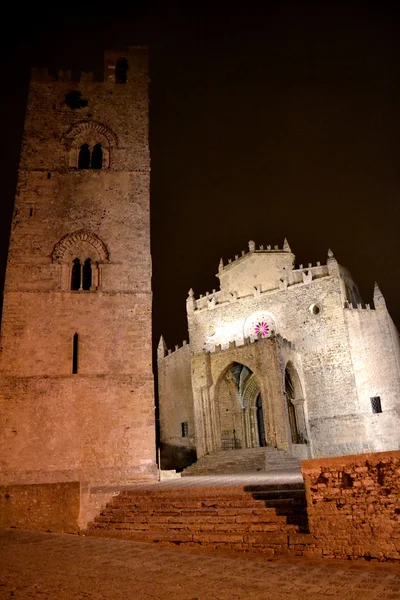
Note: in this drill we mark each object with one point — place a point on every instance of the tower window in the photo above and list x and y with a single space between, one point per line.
87 274
97 157
84 157
81 275
185 429
76 274
121 70
376 404
88 159
75 354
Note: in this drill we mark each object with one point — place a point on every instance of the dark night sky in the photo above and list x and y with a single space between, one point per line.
284 123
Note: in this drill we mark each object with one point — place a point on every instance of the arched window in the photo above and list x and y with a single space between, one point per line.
87 274
84 157
121 70
76 274
97 157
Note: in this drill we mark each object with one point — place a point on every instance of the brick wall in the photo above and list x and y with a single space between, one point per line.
353 505
45 507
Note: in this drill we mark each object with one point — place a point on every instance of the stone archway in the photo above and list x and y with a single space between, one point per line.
240 408
295 406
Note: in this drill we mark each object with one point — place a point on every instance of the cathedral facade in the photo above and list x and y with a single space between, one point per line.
281 355
76 381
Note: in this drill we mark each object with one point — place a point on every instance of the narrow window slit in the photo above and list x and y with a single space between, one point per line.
75 354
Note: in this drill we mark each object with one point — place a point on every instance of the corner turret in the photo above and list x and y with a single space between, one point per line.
162 350
379 300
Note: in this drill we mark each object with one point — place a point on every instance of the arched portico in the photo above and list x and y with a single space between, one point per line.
236 404
238 399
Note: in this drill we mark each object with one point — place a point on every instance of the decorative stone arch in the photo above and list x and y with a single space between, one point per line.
295 405
91 133
80 245
238 405
254 412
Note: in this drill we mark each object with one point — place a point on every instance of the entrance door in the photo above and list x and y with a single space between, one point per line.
260 422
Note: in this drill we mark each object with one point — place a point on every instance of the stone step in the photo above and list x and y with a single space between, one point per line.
251 519
201 526
253 494
245 460
273 543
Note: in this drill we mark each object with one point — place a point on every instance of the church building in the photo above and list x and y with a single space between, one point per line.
284 356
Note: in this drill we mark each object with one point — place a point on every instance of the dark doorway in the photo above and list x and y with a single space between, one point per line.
260 422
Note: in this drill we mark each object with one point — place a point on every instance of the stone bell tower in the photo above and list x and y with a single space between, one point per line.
76 382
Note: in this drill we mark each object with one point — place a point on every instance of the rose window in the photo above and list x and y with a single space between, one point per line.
262 328
261 324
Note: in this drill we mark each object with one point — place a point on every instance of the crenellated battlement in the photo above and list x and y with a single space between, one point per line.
166 352
247 341
43 75
119 67
294 276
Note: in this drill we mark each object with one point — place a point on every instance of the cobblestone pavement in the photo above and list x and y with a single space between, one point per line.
53 566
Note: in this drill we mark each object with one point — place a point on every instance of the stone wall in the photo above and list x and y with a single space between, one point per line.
46 507
94 422
176 407
374 345
353 505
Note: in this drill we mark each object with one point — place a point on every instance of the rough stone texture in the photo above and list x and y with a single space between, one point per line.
338 351
97 425
46 507
353 505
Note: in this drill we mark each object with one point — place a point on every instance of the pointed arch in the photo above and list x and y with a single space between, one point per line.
239 403
295 405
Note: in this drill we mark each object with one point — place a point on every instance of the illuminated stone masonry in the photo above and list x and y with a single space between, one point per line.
283 356
76 381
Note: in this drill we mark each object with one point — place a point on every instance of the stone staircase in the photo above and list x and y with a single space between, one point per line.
242 461
263 518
